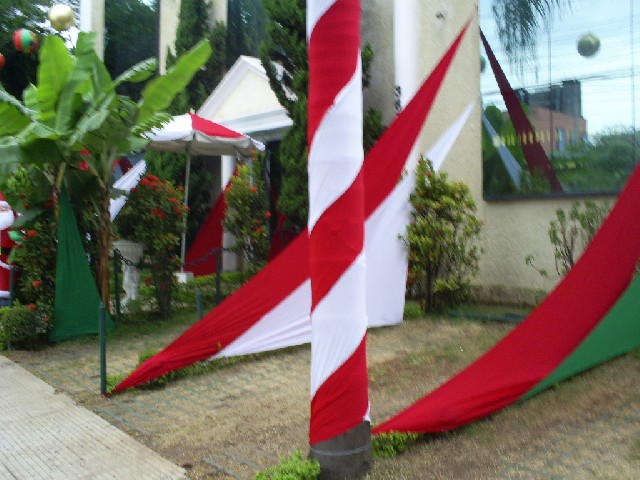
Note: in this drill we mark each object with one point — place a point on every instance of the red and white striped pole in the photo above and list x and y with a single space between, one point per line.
339 431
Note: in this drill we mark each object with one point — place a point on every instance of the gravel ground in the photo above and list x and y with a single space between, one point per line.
240 419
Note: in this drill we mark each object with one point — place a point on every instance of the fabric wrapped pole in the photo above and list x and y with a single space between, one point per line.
339 385
249 321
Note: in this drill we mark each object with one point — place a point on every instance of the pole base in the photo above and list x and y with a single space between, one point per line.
345 457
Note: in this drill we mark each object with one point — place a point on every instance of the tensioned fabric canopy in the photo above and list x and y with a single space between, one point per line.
194 135
189 133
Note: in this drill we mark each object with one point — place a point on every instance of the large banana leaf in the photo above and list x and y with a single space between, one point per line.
138 73
10 157
88 85
13 114
160 92
53 71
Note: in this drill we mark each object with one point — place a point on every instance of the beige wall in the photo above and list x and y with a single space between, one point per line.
512 229
169 10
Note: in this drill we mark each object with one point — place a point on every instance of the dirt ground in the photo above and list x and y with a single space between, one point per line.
240 419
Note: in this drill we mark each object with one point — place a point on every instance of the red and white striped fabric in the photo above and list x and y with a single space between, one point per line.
339 385
250 321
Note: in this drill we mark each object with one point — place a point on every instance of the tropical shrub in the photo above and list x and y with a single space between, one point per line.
293 467
22 327
441 239
573 230
154 215
386 445
247 216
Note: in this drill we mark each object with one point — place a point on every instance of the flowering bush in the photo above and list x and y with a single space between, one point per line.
35 253
154 215
247 217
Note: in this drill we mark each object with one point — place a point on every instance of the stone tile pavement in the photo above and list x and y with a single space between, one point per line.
45 435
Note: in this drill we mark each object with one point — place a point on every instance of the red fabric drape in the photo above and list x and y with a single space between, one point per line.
540 343
200 258
382 168
533 152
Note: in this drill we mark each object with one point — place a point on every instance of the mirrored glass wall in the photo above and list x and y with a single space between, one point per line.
560 118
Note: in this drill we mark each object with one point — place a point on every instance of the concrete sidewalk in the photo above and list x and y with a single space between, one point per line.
45 435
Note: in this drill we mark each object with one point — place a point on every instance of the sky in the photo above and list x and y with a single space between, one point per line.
610 79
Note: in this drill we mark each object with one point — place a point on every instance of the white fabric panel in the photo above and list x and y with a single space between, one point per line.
315 10
179 127
387 274
126 183
339 323
286 325
336 153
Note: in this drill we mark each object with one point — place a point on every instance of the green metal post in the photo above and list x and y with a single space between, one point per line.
218 273
103 350
11 286
116 281
199 303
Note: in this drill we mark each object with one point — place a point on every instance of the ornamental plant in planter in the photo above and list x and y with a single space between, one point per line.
154 215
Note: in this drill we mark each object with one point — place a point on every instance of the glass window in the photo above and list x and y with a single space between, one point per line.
565 119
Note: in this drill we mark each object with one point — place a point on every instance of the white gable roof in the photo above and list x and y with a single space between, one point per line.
244 101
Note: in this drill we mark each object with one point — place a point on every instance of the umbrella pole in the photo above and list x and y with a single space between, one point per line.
183 246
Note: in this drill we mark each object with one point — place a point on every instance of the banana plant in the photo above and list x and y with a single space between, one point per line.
74 116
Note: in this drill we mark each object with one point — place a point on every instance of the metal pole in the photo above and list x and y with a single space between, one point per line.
116 281
218 273
199 303
11 285
103 350
183 247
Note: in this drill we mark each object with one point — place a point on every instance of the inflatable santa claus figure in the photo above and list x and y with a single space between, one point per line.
7 218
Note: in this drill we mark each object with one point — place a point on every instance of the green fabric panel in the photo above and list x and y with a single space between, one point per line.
617 334
77 301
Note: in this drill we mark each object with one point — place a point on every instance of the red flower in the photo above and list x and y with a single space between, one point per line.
48 204
147 282
31 306
177 210
258 230
253 188
32 233
180 187
45 319
267 214
36 283
173 200
84 166
45 249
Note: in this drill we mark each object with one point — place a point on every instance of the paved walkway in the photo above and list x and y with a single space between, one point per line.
45 435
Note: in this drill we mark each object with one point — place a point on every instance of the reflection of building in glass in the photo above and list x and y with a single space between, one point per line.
556 115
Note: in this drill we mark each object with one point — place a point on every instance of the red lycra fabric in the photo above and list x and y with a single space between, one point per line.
209 238
344 390
537 346
212 129
534 154
382 169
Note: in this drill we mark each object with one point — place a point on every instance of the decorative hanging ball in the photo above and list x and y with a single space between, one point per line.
2 60
61 17
25 40
588 45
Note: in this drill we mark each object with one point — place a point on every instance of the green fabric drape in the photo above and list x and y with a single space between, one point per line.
77 301
617 334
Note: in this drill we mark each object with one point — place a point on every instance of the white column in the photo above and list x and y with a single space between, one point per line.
229 260
92 20
405 46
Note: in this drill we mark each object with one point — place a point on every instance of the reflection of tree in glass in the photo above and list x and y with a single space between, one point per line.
601 166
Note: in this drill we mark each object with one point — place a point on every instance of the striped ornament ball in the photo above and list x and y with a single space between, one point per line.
25 40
